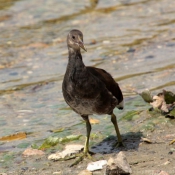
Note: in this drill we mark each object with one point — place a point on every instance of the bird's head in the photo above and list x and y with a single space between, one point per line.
75 40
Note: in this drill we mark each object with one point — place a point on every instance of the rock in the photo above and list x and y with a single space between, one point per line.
69 152
32 152
85 172
146 95
96 165
118 165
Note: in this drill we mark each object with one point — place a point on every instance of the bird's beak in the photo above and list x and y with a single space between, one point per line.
81 44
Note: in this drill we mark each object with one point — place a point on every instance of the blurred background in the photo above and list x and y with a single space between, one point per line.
134 40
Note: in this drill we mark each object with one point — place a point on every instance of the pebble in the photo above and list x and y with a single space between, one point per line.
98 165
166 163
85 172
32 152
106 42
57 173
93 41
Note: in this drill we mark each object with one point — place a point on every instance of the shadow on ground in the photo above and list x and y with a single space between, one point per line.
131 141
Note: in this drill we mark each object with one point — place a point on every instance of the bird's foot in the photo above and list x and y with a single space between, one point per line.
81 156
172 142
119 145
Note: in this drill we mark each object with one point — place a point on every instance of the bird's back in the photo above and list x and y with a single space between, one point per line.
109 82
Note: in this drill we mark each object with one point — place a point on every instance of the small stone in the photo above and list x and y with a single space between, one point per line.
106 42
93 41
85 172
57 173
166 163
98 165
118 165
69 151
32 152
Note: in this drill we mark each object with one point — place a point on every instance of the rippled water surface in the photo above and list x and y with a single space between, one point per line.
134 40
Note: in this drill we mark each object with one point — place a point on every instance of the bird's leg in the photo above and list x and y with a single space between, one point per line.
88 131
114 121
86 152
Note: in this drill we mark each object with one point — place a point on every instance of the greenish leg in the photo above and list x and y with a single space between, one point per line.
114 121
88 131
86 152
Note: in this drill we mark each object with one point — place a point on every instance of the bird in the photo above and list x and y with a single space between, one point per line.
89 90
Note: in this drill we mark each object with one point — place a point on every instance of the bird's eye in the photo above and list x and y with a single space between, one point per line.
73 37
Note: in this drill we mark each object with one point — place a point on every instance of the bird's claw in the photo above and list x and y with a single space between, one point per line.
81 156
172 142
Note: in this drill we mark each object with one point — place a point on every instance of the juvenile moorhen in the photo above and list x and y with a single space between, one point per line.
89 90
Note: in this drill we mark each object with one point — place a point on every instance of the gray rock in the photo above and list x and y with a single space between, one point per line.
118 165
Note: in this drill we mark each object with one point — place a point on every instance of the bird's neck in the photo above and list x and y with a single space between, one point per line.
75 64
75 60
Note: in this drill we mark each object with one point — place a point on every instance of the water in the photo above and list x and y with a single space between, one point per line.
134 40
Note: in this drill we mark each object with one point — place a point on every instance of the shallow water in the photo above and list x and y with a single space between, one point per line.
134 40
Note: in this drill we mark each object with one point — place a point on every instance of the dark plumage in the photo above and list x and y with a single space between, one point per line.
89 90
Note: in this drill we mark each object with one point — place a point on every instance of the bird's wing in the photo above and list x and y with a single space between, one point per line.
109 82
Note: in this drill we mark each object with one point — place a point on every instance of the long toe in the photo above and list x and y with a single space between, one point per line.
82 156
119 145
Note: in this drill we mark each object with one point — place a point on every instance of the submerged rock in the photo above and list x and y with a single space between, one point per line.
118 165
69 152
